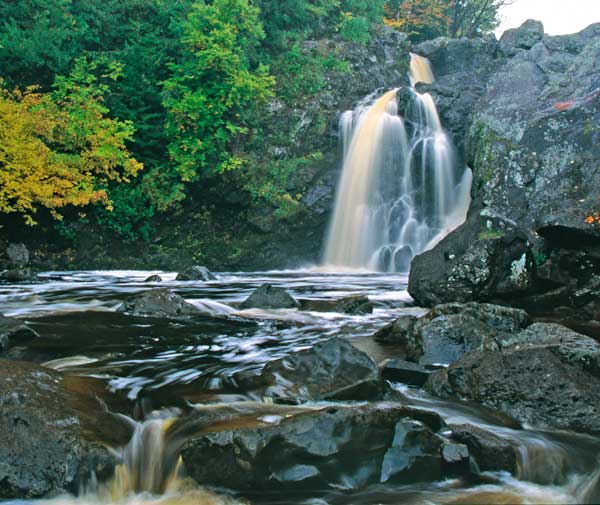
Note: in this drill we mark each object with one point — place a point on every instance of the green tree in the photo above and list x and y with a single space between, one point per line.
470 18
214 88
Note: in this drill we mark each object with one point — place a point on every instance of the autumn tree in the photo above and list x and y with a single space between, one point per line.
420 19
58 149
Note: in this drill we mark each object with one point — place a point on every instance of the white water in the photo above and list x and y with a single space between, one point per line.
401 189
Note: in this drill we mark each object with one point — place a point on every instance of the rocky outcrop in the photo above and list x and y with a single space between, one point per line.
14 331
545 375
333 369
531 138
339 447
196 273
48 433
269 297
159 303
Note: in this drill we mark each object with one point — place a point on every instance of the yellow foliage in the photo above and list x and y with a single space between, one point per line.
44 162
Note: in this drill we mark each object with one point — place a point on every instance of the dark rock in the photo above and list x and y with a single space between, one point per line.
333 448
14 331
449 331
269 297
357 304
158 303
18 275
18 255
154 278
486 259
196 273
397 332
546 375
333 369
405 372
47 434
491 452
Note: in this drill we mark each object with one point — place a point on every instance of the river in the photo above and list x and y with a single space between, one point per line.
163 365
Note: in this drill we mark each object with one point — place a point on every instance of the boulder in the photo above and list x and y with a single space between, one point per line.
18 255
405 372
491 452
449 331
455 458
545 375
196 273
158 303
48 433
14 331
524 37
396 333
341 447
333 369
18 275
153 278
269 297
355 304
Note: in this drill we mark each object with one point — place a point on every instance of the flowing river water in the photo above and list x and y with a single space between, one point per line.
162 366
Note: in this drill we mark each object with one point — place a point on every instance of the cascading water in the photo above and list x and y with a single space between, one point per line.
401 190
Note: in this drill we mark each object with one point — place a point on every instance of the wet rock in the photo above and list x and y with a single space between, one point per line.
333 369
545 375
18 275
455 458
338 447
269 297
405 372
491 452
397 332
47 434
196 273
153 278
449 331
486 259
358 304
158 303
14 331
18 255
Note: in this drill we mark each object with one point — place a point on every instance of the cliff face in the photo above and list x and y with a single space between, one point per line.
528 118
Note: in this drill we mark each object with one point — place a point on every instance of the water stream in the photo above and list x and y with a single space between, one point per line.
170 365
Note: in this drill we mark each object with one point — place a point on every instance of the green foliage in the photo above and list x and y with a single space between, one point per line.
214 88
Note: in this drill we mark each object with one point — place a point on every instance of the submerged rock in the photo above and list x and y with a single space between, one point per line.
338 447
158 303
196 273
153 278
333 369
14 331
18 275
48 433
546 375
269 297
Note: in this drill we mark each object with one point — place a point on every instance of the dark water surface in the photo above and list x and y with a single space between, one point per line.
167 364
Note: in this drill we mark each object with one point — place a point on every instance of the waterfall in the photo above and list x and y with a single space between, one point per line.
401 189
